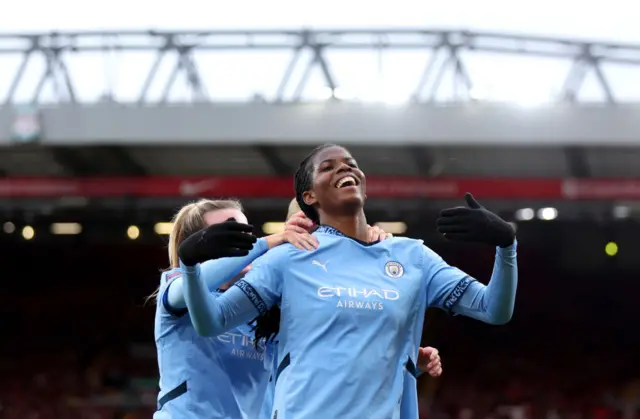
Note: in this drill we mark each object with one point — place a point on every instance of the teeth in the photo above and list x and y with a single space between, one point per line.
344 180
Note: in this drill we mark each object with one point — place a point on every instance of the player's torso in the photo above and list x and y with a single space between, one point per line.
350 311
224 375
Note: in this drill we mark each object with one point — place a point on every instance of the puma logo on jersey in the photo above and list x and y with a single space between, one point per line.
322 265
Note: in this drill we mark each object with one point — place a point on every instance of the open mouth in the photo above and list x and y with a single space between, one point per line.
347 181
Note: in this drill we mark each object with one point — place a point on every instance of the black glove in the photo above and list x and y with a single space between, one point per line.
217 241
475 224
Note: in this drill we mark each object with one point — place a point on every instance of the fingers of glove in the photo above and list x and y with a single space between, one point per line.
236 236
232 225
453 212
471 201
238 242
230 239
231 252
457 236
453 220
454 228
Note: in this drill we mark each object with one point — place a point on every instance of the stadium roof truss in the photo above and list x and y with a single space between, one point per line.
445 54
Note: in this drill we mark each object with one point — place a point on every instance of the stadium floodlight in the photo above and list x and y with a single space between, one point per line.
393 227
547 214
611 249
66 229
621 211
28 232
163 229
9 227
273 227
525 214
133 232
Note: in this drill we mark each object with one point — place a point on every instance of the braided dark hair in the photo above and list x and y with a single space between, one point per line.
303 181
267 325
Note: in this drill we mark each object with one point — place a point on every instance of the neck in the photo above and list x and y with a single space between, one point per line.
354 226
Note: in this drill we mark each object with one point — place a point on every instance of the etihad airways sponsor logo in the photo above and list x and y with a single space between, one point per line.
242 346
359 298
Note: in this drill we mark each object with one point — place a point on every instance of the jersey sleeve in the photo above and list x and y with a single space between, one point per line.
454 291
214 273
213 314
165 285
445 283
263 283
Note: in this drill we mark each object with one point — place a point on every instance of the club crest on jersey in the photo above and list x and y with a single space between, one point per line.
394 269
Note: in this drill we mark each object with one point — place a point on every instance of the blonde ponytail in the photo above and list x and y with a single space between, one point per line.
177 232
189 220
293 208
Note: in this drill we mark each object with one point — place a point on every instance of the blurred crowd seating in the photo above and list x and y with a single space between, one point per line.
113 384
78 344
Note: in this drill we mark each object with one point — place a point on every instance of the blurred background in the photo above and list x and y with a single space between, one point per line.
105 133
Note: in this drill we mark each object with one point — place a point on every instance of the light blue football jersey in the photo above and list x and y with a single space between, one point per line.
217 377
271 366
352 317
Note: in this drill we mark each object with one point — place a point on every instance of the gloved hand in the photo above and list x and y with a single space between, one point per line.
475 224
221 240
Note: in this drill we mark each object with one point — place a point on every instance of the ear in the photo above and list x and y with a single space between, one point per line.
309 198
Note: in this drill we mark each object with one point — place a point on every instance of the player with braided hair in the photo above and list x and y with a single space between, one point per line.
351 311
268 324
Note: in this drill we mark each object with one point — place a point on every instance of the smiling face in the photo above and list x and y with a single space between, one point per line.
338 186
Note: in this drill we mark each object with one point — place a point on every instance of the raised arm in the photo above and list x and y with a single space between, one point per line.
220 240
212 315
214 273
455 291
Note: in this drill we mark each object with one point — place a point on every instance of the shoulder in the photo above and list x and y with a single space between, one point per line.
404 244
405 241
278 255
167 277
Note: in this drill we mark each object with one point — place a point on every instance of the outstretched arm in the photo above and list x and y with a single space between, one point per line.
214 273
453 290
456 291
212 315
493 303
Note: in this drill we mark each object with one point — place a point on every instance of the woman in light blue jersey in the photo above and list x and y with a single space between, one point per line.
267 325
352 312
223 376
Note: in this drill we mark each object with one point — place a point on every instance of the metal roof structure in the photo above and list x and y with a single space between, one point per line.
79 71
83 66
